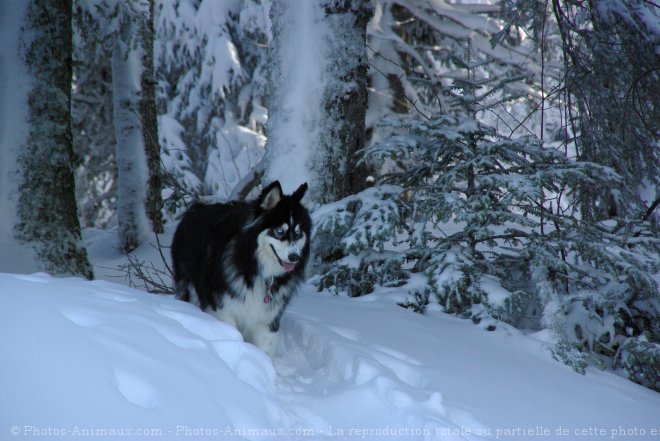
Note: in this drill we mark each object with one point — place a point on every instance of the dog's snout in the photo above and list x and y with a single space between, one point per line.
293 257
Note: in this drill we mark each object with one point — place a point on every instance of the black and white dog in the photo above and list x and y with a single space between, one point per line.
242 261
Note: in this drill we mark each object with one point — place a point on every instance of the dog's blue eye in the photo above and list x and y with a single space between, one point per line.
279 232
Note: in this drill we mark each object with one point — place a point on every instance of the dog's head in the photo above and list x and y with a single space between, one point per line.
285 226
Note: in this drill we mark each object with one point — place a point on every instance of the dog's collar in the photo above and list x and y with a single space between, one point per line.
270 289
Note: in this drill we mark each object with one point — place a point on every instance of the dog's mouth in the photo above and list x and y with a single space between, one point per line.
288 266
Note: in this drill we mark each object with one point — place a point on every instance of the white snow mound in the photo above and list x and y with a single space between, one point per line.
96 355
87 359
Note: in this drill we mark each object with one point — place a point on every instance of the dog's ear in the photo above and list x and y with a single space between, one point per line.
270 196
298 194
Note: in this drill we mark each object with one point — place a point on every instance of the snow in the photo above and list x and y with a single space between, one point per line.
240 150
101 355
497 294
174 156
209 60
95 358
85 359
220 57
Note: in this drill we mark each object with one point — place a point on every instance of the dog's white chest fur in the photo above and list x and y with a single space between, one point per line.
251 311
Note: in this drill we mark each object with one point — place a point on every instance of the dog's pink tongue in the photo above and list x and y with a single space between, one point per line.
288 266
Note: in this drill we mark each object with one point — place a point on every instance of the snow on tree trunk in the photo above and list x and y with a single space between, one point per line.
14 81
318 99
132 169
37 157
345 100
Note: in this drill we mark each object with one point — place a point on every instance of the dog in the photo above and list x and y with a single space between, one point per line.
243 261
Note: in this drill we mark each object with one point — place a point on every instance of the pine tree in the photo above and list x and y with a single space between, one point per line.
211 65
607 94
411 48
47 212
462 172
494 224
350 240
612 76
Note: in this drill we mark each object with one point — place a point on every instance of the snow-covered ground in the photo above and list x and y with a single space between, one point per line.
98 359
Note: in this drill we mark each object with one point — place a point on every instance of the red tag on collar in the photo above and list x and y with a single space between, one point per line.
267 299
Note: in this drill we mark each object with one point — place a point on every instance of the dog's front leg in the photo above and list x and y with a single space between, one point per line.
265 339
226 317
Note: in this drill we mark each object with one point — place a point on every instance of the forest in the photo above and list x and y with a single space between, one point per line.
494 160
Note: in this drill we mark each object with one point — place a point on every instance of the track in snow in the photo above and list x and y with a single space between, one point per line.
336 383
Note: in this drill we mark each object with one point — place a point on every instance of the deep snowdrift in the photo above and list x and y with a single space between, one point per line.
100 359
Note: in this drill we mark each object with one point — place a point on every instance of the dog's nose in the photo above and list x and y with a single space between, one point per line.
293 257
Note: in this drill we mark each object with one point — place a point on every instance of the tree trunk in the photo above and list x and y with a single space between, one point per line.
346 100
154 200
47 216
137 152
318 100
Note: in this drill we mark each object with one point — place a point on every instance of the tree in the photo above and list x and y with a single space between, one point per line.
411 49
93 124
211 63
346 100
46 218
318 99
612 76
138 201
127 29
475 192
493 223
611 63
149 123
608 94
